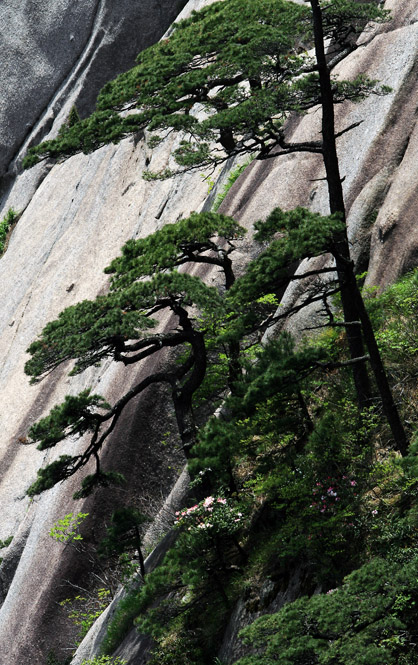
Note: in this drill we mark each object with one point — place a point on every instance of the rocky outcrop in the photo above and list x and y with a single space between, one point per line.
54 50
77 214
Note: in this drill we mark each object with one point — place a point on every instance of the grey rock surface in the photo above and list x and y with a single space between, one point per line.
49 46
74 225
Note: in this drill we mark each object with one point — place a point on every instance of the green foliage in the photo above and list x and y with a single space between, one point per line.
243 61
291 440
394 311
145 281
93 330
172 246
366 621
123 533
5 225
104 660
98 479
88 331
6 542
124 539
66 529
52 659
223 41
198 563
122 621
394 315
178 648
51 475
274 380
84 610
303 234
232 178
74 117
73 417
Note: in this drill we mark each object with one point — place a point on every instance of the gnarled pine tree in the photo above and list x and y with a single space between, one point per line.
120 325
228 77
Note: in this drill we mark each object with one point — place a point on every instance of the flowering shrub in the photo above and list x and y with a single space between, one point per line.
212 516
327 494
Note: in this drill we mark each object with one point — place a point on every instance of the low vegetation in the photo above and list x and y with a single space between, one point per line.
5 226
303 484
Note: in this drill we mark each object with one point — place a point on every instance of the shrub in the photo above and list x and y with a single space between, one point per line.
5 226
369 620
104 660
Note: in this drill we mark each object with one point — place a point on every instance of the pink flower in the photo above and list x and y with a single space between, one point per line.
353 483
208 501
219 500
374 512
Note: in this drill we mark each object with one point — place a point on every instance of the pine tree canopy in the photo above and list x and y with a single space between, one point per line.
122 325
145 282
293 236
361 623
227 78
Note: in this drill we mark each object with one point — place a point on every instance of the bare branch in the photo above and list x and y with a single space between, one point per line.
349 128
344 363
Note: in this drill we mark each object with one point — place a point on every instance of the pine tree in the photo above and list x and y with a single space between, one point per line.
74 116
238 60
243 62
120 325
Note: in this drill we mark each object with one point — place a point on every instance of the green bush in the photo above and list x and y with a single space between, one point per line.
369 620
84 610
5 226
233 177
104 660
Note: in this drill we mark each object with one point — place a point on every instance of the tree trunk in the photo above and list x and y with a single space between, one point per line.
352 300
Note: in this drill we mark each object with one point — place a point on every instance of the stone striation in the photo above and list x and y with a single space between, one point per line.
56 49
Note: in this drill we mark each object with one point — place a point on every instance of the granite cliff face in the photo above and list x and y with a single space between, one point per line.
77 214
54 50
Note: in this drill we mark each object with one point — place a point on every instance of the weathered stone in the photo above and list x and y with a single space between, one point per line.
53 48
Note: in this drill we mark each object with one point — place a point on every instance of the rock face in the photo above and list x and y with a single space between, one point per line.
52 49
77 214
